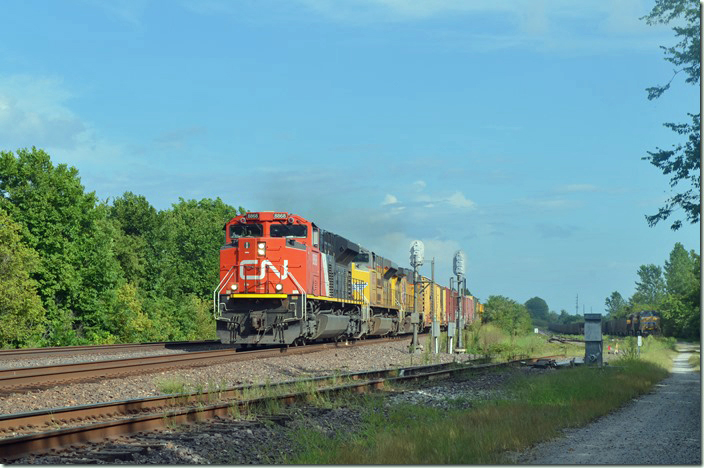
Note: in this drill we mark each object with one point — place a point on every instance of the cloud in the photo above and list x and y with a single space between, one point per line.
389 200
555 25
458 200
33 112
419 185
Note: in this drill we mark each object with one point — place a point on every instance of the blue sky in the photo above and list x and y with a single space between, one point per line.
511 130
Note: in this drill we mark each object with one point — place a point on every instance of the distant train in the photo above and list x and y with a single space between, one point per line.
284 280
643 323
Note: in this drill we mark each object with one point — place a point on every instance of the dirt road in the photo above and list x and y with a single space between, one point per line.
663 428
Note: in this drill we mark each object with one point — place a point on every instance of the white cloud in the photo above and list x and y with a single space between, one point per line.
389 200
458 200
419 185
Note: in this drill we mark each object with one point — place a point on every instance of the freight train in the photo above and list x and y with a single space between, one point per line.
642 323
284 281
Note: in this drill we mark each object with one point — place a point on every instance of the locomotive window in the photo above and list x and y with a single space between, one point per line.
288 230
245 230
362 257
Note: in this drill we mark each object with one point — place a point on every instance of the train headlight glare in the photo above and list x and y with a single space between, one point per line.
261 248
279 287
234 286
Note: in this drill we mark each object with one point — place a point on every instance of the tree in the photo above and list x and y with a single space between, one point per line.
650 290
682 161
21 311
136 221
507 314
681 306
616 305
77 272
537 308
190 235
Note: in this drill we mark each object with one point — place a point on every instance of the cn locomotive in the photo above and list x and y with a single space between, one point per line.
286 281
642 323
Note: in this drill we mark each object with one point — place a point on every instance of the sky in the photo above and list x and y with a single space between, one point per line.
513 130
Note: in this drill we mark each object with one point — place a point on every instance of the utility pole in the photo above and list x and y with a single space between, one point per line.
436 326
459 270
417 250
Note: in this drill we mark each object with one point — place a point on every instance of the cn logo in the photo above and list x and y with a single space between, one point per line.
262 270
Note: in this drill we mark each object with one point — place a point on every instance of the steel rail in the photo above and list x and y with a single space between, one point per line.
15 447
12 379
39 352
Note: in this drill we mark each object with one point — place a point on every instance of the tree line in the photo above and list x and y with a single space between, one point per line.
673 290
77 270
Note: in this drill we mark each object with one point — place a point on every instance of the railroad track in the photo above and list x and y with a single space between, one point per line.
12 380
116 419
28 353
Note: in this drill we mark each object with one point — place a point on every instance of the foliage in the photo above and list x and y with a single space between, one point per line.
522 413
650 289
537 308
616 305
78 271
507 314
66 228
189 239
21 310
682 161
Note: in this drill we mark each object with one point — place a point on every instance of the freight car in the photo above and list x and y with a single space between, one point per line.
642 323
284 280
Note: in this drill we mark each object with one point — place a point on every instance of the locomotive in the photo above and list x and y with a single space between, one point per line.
642 323
284 280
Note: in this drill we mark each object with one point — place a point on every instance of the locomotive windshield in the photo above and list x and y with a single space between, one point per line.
245 230
288 230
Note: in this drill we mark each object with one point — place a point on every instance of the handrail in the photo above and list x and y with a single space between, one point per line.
224 280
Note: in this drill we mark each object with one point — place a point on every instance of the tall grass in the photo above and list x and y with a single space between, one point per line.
533 409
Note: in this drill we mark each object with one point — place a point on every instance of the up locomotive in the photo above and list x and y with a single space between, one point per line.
643 323
284 281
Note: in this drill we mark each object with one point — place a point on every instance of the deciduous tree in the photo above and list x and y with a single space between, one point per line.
21 311
681 162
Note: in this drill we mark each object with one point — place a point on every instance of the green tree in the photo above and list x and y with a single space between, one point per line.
616 305
136 221
650 290
681 162
78 271
190 235
537 308
508 315
21 311
681 312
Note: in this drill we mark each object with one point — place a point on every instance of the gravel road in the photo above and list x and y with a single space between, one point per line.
660 428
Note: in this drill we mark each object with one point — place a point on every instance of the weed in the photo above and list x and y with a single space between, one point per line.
172 386
527 411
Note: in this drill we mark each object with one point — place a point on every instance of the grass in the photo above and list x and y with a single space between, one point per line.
695 361
532 410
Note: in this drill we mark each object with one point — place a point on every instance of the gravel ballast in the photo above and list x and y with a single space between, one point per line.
328 362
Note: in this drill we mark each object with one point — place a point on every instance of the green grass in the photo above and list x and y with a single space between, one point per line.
532 410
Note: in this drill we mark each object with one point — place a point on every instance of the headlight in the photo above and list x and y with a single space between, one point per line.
261 248
234 286
279 287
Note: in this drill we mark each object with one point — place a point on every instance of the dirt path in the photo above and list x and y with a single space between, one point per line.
663 428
